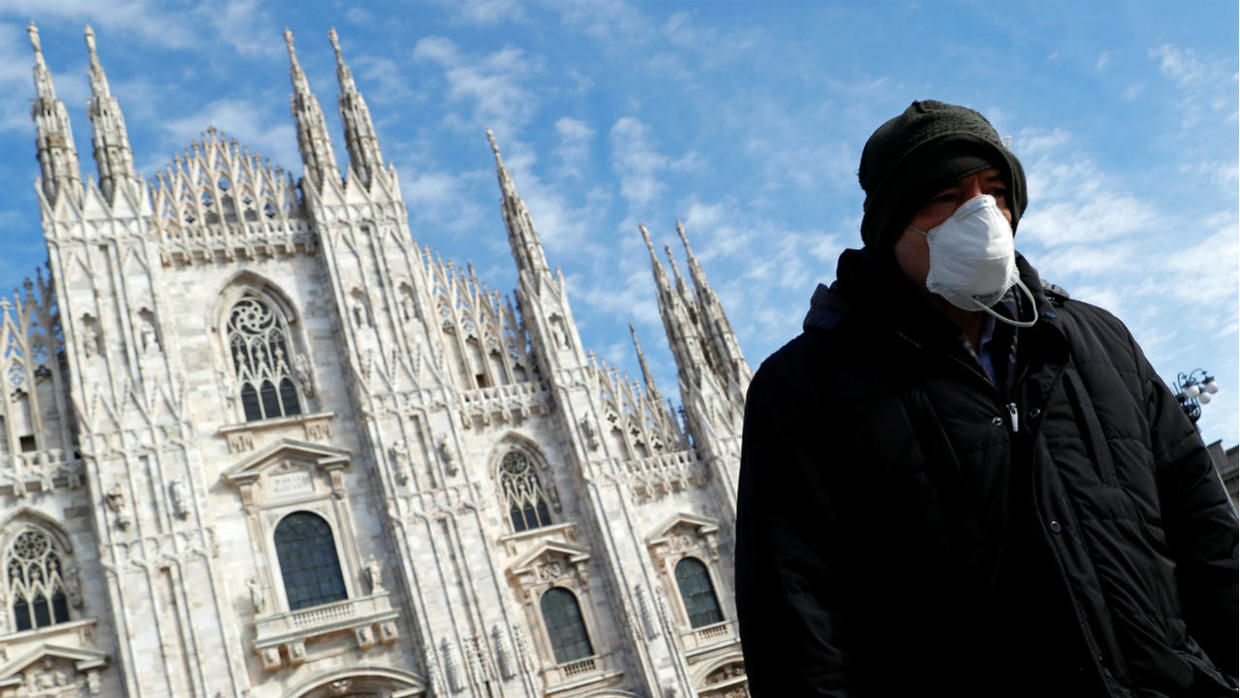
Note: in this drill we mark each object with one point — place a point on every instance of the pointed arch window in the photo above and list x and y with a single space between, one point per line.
33 571
259 343
308 561
523 492
565 626
697 593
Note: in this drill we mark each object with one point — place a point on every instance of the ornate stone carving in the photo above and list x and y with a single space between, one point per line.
649 622
179 493
399 454
503 653
446 452
304 374
374 575
589 433
258 599
115 499
452 666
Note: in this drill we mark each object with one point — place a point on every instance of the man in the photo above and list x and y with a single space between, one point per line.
958 481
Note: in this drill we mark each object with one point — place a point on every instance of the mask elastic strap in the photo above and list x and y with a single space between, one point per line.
1009 321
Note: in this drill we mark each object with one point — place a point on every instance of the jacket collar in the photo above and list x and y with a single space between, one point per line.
871 288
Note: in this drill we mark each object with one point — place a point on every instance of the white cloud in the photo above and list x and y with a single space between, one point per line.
636 161
1207 87
359 16
483 11
491 84
574 147
387 79
142 17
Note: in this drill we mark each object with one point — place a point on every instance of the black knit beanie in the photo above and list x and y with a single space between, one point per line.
925 149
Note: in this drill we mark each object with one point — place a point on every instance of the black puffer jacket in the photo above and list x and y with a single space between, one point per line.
896 535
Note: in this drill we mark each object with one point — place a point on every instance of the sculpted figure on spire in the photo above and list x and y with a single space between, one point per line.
113 156
359 131
312 137
57 152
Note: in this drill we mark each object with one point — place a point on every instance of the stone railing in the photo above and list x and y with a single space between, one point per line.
282 637
657 476
39 470
511 402
709 635
581 672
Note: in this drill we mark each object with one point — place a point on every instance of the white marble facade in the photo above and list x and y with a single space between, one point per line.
256 442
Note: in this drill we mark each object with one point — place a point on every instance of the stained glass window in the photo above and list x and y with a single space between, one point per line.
565 627
258 341
37 590
698 593
523 493
308 561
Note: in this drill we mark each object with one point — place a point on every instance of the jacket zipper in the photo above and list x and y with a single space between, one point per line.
1009 407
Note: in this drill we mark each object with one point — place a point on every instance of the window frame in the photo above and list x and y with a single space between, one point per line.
581 617
27 520
298 364
714 591
514 443
279 566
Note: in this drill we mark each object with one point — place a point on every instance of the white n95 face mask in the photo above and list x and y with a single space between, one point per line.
972 258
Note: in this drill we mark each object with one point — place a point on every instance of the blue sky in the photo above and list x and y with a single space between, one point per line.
744 120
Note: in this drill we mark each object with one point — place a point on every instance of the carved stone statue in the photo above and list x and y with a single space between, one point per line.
150 341
180 500
115 500
374 575
301 371
399 454
257 598
90 341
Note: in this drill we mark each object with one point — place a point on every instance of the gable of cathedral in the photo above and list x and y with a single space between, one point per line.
257 441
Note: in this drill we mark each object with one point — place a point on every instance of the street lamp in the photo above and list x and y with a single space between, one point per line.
1194 389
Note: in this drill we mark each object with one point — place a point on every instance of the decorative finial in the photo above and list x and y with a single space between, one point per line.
288 39
491 138
646 237
90 40
331 35
680 230
33 31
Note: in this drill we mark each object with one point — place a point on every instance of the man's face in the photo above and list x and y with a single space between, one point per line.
911 249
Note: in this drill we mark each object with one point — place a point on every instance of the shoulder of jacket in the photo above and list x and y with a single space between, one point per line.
1055 293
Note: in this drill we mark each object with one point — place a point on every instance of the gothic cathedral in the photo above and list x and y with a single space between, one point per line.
256 442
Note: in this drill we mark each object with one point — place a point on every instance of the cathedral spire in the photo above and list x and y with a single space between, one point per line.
526 247
660 276
113 156
681 287
57 152
312 136
715 323
682 333
651 388
359 130
695 270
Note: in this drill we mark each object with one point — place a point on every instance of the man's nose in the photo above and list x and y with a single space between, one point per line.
973 186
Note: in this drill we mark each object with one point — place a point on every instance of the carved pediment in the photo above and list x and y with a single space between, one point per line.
685 533
54 670
284 455
700 525
549 561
